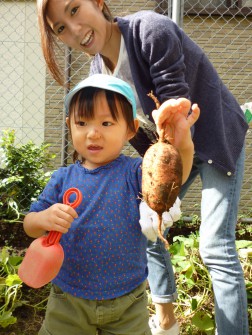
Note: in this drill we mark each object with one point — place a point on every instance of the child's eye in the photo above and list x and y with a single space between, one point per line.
107 123
74 10
80 123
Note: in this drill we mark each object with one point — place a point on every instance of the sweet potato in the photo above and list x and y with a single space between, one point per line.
162 176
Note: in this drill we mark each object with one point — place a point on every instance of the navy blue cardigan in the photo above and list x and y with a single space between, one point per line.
164 59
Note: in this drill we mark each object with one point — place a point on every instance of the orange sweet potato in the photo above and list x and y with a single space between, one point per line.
162 176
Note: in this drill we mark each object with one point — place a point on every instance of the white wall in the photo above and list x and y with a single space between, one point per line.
22 72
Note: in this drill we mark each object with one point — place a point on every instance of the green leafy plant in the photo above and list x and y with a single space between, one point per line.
195 304
10 287
22 174
14 294
193 284
244 248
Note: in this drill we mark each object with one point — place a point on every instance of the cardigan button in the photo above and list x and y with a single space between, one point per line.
210 161
229 173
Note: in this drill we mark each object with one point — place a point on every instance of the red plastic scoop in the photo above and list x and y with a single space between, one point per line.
45 255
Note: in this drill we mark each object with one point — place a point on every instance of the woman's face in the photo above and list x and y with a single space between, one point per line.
80 24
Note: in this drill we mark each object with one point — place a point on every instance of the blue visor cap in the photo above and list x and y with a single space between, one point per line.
105 82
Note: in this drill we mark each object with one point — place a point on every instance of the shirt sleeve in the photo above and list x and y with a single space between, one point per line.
51 194
161 43
134 175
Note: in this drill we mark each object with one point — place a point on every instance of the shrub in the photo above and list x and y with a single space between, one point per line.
22 174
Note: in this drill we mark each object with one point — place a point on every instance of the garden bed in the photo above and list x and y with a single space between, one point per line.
33 302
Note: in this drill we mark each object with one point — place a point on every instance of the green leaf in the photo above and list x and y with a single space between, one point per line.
12 280
241 244
15 260
203 321
194 304
7 319
175 249
4 257
190 282
189 270
184 265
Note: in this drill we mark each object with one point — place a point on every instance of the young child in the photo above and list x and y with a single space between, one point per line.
151 52
101 284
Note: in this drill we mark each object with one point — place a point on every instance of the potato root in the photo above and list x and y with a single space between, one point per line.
162 176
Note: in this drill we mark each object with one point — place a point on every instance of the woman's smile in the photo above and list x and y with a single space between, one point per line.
88 39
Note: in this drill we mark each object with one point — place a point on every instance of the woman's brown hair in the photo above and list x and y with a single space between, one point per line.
49 41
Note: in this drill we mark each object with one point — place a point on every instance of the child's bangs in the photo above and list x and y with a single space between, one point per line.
82 105
83 102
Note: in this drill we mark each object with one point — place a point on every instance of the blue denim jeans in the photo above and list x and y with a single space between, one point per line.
219 206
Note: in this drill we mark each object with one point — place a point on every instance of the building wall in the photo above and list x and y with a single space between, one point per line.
22 83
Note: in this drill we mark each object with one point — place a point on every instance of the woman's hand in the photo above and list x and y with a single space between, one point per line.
173 116
176 117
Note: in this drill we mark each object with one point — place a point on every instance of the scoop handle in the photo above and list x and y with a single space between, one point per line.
54 236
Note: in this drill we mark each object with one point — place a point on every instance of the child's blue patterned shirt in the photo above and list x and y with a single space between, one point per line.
105 250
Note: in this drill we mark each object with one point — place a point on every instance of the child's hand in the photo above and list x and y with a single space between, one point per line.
172 116
58 217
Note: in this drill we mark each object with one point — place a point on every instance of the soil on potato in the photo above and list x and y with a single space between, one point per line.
29 319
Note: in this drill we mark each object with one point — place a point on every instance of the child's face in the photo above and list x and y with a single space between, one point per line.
80 24
99 140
